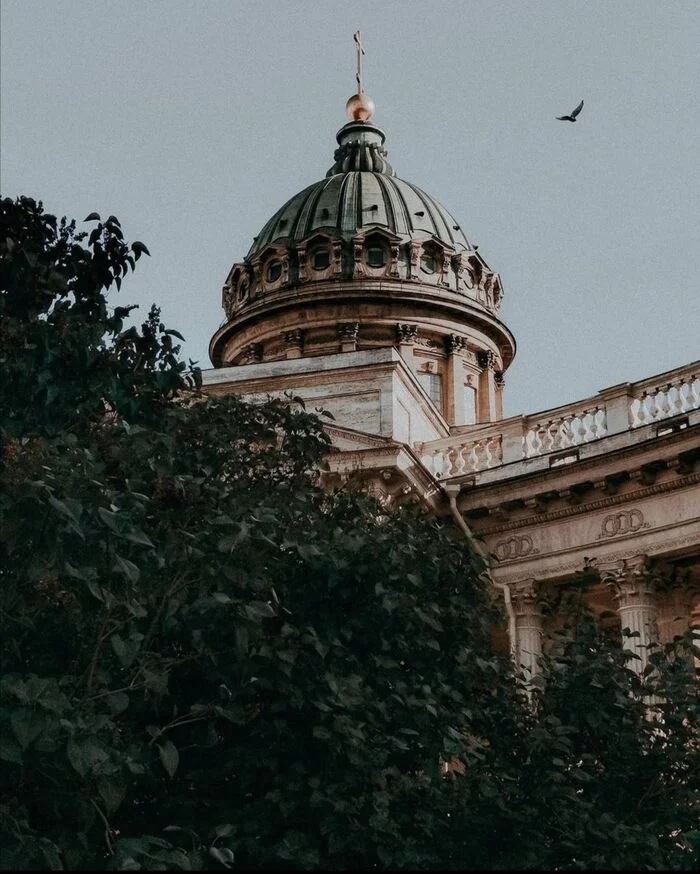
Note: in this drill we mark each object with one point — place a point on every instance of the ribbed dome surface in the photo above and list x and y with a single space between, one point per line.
348 202
361 190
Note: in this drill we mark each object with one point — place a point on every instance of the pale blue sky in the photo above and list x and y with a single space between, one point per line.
194 121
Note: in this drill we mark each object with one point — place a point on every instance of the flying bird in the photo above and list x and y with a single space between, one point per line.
573 115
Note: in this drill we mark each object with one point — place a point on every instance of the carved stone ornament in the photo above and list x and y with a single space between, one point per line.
517 546
227 300
455 344
294 339
526 596
394 268
406 333
348 331
634 581
253 352
499 379
303 263
337 255
486 359
358 245
622 522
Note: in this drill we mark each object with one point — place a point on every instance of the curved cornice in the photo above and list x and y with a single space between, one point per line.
420 297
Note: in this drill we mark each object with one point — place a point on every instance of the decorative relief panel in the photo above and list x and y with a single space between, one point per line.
622 522
517 546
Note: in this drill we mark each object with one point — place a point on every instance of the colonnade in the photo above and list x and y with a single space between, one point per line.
652 599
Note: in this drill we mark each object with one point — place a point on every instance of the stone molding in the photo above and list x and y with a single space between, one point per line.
602 503
563 568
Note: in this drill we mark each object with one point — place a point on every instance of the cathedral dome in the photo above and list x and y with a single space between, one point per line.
361 190
356 260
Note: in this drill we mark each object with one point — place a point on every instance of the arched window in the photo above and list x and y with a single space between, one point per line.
376 255
320 259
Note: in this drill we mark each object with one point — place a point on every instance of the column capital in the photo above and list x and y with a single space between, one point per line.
526 596
455 344
636 580
294 343
406 333
486 359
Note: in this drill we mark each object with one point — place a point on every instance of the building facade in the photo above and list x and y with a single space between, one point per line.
363 296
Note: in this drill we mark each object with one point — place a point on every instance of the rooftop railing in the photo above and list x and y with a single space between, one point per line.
614 410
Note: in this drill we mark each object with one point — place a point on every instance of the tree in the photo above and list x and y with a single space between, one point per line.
210 660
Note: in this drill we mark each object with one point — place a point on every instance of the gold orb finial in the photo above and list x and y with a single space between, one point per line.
360 107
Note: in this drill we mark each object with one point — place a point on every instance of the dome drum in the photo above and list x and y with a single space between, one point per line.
373 253
375 305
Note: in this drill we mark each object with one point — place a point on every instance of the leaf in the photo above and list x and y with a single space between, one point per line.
111 792
138 248
9 750
93 217
76 756
222 855
27 725
140 538
126 650
128 568
108 517
258 609
63 509
169 756
118 702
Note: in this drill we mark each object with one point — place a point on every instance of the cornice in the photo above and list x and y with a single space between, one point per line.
462 309
537 480
538 519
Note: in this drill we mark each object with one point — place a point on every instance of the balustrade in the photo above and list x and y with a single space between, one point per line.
658 402
615 410
565 431
467 457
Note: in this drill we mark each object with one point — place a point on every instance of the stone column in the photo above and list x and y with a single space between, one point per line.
526 599
634 585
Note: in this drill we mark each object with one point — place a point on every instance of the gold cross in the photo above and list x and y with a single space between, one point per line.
360 51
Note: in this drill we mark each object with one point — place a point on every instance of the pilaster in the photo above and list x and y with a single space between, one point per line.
456 401
294 343
487 386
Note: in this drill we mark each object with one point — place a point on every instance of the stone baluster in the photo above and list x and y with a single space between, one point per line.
634 584
527 601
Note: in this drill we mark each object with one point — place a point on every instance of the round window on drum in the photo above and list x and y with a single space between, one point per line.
320 259
273 271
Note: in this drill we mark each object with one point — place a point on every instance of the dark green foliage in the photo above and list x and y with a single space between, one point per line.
208 661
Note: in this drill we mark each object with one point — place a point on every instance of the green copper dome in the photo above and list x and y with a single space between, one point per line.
361 190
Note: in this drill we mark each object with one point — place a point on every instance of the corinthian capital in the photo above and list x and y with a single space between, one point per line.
526 596
486 359
634 581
